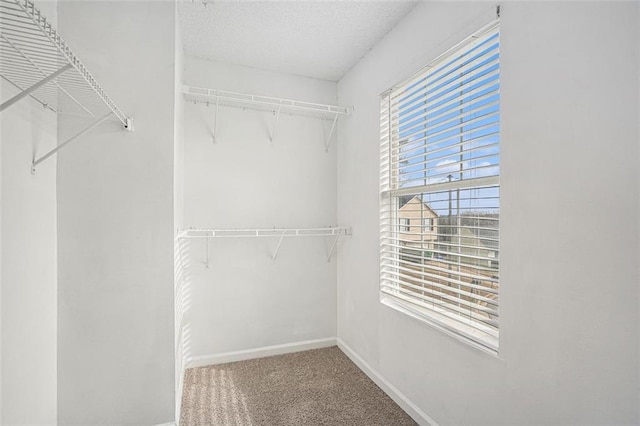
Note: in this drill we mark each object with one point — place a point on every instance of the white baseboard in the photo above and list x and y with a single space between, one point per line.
204 360
405 403
179 392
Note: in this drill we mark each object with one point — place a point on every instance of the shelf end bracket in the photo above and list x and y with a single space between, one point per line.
333 128
215 122
333 247
128 124
275 124
275 254
206 249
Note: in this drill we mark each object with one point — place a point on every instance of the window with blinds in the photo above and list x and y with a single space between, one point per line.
440 192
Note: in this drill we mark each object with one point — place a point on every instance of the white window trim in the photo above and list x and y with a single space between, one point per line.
455 328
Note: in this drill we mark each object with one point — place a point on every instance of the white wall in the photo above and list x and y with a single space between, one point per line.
115 211
245 300
28 264
1 310
569 229
178 173
28 260
180 271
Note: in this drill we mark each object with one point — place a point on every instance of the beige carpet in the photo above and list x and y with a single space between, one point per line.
318 387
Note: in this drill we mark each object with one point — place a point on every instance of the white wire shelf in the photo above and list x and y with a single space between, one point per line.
265 103
262 103
31 50
263 232
37 61
279 233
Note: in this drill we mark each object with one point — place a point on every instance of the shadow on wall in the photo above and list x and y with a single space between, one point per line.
182 301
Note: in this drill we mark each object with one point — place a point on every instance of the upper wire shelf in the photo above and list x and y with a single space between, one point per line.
263 103
37 61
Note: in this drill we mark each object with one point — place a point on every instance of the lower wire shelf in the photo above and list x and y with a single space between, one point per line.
280 233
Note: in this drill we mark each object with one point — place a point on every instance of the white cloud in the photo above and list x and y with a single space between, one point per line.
450 166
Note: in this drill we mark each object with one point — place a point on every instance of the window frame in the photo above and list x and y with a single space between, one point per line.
389 213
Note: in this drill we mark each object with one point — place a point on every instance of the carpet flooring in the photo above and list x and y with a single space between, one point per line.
317 387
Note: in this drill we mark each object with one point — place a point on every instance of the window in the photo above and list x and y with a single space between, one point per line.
404 224
439 162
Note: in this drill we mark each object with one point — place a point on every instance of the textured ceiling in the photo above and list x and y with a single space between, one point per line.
321 39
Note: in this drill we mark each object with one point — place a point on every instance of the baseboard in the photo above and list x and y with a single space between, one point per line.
405 403
203 360
179 392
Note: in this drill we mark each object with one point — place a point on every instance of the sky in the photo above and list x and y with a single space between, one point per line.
448 126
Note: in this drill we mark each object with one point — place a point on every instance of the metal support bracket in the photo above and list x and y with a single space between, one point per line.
28 91
71 139
275 254
128 124
206 251
333 247
275 124
333 127
215 122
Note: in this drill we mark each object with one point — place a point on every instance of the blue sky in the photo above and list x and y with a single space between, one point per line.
449 125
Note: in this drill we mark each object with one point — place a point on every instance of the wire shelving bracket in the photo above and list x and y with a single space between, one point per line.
266 103
280 233
38 62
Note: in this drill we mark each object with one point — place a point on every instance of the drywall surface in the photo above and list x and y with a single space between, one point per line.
178 127
28 276
115 210
1 310
180 270
569 228
244 299
28 264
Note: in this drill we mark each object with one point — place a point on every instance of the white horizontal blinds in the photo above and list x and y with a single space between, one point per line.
439 186
449 118
385 154
451 264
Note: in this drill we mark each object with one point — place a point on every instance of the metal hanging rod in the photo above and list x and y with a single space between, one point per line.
280 233
266 103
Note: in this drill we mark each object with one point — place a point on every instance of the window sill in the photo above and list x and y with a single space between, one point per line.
445 325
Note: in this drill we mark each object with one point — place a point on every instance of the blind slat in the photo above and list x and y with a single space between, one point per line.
460 124
421 146
439 189
478 276
445 301
444 287
479 78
